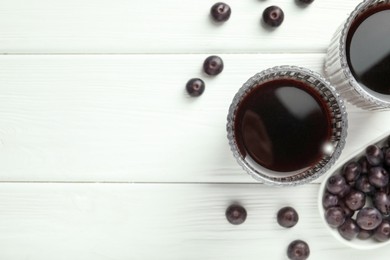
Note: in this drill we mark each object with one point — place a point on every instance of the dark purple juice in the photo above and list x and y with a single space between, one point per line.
282 125
368 49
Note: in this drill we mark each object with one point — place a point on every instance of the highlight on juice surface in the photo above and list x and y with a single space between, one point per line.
286 126
358 59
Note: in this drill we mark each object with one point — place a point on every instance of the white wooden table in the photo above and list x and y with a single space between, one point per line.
104 156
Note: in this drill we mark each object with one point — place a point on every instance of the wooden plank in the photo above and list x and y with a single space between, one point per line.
128 118
170 26
159 221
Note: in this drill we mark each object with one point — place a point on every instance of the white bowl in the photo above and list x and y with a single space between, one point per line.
355 243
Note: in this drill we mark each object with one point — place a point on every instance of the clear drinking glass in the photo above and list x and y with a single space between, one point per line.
364 37
294 89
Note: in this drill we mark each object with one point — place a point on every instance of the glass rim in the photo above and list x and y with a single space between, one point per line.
338 116
381 100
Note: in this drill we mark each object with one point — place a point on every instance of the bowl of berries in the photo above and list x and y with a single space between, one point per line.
354 199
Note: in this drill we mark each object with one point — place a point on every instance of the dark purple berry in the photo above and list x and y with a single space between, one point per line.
364 185
273 16
364 165
213 65
382 232
351 171
345 191
349 229
374 155
385 189
378 177
384 149
365 234
336 184
287 217
298 250
195 87
387 157
306 1
236 214
368 218
381 201
335 216
355 200
329 200
347 211
220 12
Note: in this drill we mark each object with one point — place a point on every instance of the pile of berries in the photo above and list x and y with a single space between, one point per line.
357 199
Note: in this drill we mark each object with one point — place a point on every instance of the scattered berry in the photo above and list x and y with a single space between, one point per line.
298 250
273 16
213 65
236 214
220 12
195 87
287 217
